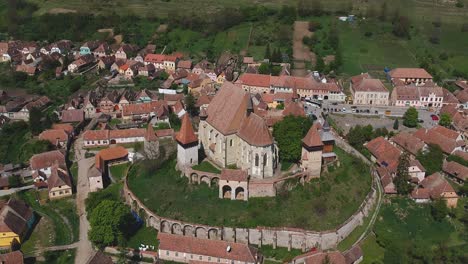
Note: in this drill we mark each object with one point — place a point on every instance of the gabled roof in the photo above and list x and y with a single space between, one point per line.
15 257
186 135
386 154
438 186
234 175
228 108
456 170
46 159
54 135
58 177
312 139
408 142
254 131
150 134
295 109
207 247
410 73
370 85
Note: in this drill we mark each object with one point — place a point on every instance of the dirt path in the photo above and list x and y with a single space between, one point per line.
84 247
301 53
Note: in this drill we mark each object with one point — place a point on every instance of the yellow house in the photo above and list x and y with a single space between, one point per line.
15 220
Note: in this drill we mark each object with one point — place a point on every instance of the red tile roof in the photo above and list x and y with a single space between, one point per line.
408 142
93 135
228 108
47 159
254 131
54 136
154 58
251 79
207 247
312 139
441 136
66 127
15 257
386 154
186 134
438 186
108 154
73 115
165 132
456 170
295 109
418 73
370 85
234 175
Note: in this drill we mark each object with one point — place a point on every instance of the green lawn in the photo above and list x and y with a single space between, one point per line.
322 204
286 165
60 214
144 235
373 253
74 172
119 171
207 167
280 254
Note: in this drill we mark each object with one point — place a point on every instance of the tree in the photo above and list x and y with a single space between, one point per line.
439 210
264 68
316 8
267 52
14 181
401 27
396 124
289 133
110 223
402 177
190 104
410 118
35 124
319 64
445 120
174 121
432 159
383 12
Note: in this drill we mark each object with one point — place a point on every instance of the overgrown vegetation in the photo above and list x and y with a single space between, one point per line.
358 135
289 133
432 159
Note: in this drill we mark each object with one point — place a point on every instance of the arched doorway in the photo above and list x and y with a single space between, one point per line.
113 141
239 193
227 192
214 181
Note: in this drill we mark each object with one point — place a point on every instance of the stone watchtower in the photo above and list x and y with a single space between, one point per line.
151 143
312 147
187 144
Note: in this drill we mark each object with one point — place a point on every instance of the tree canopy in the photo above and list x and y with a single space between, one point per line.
445 120
432 159
410 118
402 178
110 222
289 134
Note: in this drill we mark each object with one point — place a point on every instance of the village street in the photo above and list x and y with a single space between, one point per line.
84 249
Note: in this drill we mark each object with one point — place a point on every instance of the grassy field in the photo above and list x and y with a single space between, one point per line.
144 235
59 223
207 167
320 205
408 227
119 171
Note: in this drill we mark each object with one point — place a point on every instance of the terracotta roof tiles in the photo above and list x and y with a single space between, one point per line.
254 131
312 139
186 135
234 175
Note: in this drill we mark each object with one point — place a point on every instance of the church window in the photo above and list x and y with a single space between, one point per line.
265 159
230 142
256 160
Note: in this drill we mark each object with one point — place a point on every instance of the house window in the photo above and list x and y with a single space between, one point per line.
200 257
177 254
167 252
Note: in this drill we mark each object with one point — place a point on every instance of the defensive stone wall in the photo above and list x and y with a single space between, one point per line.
276 237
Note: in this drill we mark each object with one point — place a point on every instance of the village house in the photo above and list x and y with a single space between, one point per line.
201 67
368 91
170 62
102 51
184 64
16 219
100 258
146 111
96 138
81 63
405 76
41 164
448 140
56 137
417 96
305 86
435 187
156 59
186 249
407 142
456 171
88 47
15 257
125 52
28 69
59 183
39 103
72 116
95 179
105 62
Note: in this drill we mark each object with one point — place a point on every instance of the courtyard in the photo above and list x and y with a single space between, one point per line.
322 204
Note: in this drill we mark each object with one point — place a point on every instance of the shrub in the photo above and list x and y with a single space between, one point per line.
314 26
368 34
443 56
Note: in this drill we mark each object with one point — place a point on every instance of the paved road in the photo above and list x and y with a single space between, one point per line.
85 248
13 190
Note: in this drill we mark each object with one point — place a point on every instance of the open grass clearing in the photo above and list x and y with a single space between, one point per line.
206 166
119 171
144 235
319 205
